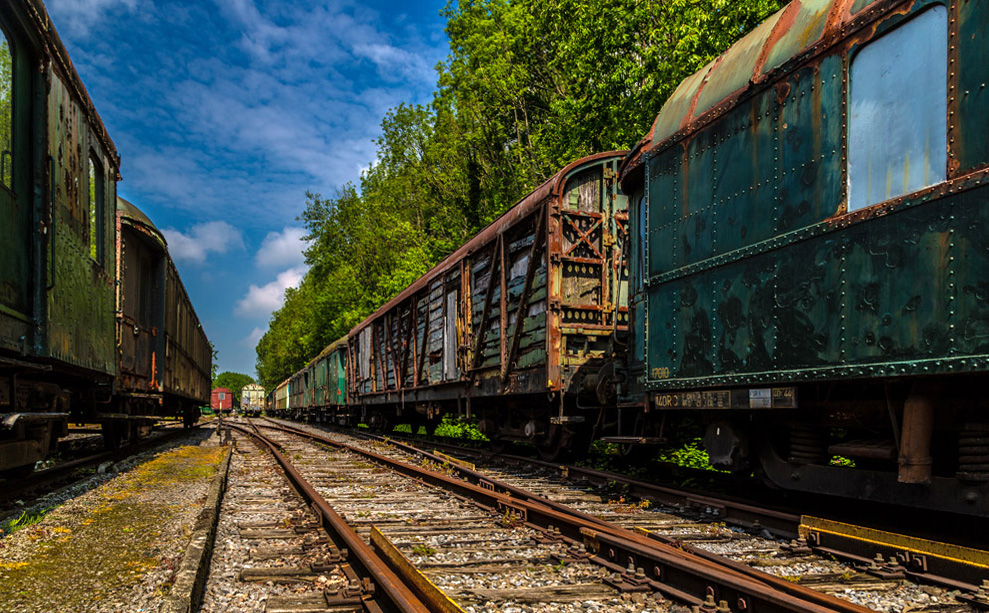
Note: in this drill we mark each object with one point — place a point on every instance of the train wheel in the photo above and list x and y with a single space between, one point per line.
553 452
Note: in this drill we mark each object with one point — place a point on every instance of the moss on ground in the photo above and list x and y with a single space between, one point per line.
117 541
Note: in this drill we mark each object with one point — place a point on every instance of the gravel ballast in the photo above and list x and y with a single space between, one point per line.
115 547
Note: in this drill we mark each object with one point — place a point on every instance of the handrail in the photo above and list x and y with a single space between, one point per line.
51 225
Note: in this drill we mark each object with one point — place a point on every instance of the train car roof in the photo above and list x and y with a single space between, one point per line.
520 210
136 217
36 12
787 37
337 344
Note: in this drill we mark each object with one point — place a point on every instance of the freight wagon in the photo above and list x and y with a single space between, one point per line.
165 357
514 327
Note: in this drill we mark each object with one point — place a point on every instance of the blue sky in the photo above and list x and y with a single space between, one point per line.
226 111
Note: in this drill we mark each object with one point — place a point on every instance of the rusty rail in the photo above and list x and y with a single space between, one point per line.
390 591
16 488
918 559
674 571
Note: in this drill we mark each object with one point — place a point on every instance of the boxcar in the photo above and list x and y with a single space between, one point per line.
811 255
280 399
515 326
252 399
164 354
328 384
221 401
58 173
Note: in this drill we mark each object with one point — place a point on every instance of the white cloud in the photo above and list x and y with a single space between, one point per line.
261 301
394 63
281 249
251 340
201 239
78 16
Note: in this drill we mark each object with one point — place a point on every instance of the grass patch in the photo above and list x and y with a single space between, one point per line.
422 549
25 520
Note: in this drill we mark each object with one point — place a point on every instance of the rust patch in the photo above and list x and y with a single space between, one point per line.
782 91
781 27
840 13
697 94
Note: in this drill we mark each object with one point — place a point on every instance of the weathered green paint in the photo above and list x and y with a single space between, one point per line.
755 273
903 293
967 133
733 70
81 303
807 28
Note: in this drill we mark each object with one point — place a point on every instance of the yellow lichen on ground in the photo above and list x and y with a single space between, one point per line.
109 539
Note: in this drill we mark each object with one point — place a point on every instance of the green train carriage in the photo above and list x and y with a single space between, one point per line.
57 191
810 255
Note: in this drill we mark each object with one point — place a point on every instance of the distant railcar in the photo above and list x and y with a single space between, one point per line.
514 327
221 401
280 399
810 253
252 399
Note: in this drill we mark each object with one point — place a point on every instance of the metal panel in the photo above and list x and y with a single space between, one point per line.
744 176
81 324
809 186
970 97
664 211
734 69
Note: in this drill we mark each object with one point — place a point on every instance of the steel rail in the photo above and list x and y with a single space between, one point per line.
14 488
921 560
674 570
731 511
398 596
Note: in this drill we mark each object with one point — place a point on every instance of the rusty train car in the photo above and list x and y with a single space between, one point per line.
810 254
165 357
59 359
514 328
807 258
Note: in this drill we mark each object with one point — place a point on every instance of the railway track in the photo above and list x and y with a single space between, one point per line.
285 549
953 565
41 482
878 585
633 560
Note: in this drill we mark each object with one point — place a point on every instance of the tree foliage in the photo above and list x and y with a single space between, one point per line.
527 88
233 381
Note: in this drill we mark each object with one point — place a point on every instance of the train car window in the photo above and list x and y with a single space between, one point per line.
96 212
6 113
897 131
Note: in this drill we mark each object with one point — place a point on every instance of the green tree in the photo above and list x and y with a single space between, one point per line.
6 105
233 381
527 88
